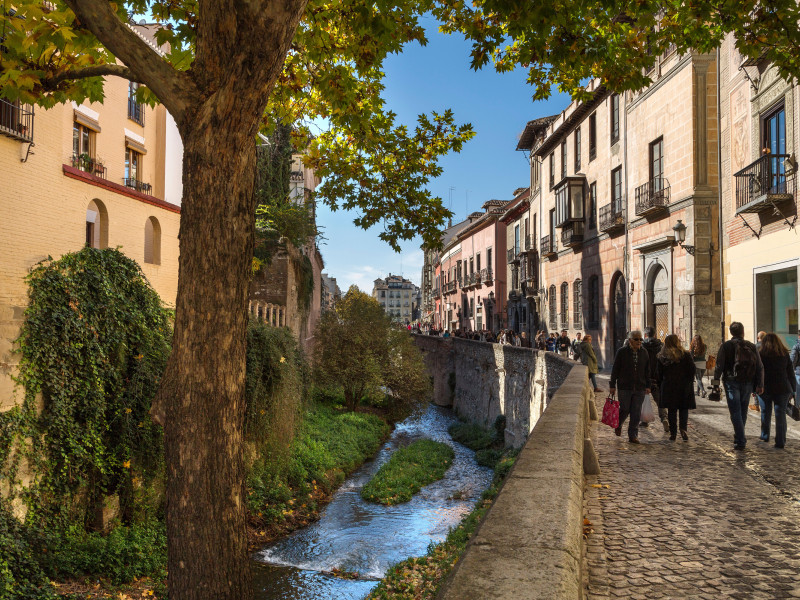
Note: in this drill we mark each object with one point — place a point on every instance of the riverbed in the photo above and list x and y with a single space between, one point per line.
356 536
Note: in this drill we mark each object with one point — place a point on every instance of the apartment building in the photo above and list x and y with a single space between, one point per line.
760 139
99 175
435 278
396 295
624 189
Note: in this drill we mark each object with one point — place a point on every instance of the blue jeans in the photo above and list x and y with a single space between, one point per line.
630 403
593 379
780 401
797 391
738 395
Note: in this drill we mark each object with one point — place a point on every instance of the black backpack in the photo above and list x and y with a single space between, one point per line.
745 361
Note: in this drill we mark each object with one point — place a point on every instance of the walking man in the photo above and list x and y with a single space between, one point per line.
741 370
631 373
564 344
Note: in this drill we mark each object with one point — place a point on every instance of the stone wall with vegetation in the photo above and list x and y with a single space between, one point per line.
482 381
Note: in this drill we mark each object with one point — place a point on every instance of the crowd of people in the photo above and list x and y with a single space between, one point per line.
673 375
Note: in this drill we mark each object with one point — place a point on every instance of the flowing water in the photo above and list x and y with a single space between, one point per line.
365 538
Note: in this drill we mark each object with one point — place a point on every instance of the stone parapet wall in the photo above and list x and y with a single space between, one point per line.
481 381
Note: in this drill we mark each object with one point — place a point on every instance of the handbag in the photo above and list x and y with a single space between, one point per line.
711 362
648 415
611 412
793 410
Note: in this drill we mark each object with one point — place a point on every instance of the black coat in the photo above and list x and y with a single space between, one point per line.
778 375
676 381
623 374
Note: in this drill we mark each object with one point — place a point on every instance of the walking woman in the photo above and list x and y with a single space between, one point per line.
675 374
589 359
779 384
698 350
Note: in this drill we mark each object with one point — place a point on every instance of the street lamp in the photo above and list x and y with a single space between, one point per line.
680 237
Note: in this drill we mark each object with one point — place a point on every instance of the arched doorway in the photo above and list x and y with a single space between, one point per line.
619 311
656 299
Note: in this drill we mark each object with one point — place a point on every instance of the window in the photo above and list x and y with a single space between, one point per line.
133 162
565 304
594 302
135 109
563 159
552 160
774 144
614 117
516 239
152 241
577 305
577 150
552 225
592 136
552 298
489 259
96 225
471 268
82 142
616 186
478 262
593 205
535 165
657 163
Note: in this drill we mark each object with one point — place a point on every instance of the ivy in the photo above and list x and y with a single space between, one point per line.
92 347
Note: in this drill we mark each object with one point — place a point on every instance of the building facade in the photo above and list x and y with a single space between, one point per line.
760 139
625 189
99 175
396 295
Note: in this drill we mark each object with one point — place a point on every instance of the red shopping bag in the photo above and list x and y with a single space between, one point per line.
611 412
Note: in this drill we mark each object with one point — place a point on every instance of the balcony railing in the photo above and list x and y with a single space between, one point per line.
136 111
487 277
16 120
549 246
92 165
449 287
652 197
762 183
512 254
612 217
530 243
572 236
139 186
437 292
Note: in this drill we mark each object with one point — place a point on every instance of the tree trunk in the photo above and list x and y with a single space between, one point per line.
203 390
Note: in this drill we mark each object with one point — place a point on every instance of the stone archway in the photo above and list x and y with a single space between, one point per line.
618 315
656 300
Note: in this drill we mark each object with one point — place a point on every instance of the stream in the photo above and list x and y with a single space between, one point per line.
365 538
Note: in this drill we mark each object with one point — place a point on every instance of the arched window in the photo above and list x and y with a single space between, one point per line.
152 241
564 305
96 225
577 304
552 297
594 302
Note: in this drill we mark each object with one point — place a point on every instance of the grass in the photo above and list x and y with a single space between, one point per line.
408 471
472 436
420 578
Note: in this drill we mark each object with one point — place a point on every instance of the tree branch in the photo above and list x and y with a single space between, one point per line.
92 71
173 88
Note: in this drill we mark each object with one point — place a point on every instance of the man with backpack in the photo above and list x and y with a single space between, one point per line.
739 365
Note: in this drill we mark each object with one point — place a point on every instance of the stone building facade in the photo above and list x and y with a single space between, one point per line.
103 175
616 180
396 296
760 139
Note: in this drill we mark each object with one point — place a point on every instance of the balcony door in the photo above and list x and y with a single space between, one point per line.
774 144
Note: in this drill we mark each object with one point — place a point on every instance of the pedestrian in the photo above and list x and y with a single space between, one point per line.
631 372
589 358
551 343
564 344
741 370
779 385
576 347
524 341
675 373
698 350
653 346
759 401
795 357
540 341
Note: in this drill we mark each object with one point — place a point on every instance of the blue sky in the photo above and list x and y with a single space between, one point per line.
437 77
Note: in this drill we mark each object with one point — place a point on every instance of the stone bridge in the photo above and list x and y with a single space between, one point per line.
585 514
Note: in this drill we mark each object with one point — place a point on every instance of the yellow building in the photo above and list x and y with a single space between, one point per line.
103 175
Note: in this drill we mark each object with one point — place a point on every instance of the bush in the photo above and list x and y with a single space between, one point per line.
408 471
488 457
21 575
472 436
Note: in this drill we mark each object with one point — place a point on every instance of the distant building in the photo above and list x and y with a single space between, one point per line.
331 293
396 296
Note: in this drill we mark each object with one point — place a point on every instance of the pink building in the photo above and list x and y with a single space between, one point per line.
470 272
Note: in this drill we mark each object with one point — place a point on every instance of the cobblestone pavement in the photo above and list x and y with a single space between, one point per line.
693 519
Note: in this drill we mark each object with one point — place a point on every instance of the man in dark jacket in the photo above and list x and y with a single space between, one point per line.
653 346
794 355
631 373
739 365
564 343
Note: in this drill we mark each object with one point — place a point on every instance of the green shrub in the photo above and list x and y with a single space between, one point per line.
488 457
472 436
21 575
408 470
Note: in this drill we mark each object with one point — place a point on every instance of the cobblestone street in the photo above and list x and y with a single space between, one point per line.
693 519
